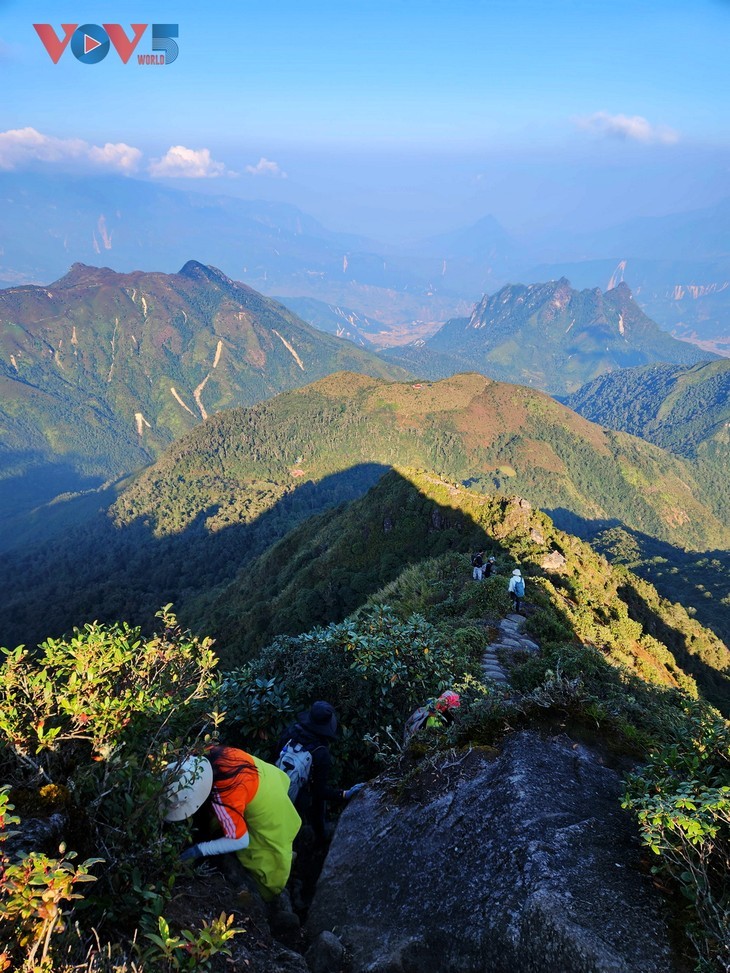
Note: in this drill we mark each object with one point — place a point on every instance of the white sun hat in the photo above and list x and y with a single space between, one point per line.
517 572
190 784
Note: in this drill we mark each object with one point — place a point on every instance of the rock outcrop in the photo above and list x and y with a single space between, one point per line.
510 863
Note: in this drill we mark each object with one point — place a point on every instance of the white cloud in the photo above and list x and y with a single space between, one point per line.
182 163
265 167
632 128
118 155
21 146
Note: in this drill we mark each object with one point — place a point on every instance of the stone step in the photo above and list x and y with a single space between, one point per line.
530 645
518 619
491 664
496 677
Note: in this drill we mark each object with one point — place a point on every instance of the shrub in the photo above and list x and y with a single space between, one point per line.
94 718
681 799
373 667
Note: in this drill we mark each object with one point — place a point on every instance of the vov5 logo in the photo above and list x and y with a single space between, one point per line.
90 43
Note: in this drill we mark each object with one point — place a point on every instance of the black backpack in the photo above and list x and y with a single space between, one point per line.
476 560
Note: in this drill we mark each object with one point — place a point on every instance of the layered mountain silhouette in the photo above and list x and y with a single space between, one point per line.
548 336
232 486
100 371
50 222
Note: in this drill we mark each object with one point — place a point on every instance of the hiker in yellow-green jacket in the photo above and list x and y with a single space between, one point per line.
249 808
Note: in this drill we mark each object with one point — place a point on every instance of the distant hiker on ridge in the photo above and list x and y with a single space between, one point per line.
312 734
477 563
516 589
245 808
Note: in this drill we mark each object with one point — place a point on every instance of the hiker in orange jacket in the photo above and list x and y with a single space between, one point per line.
248 806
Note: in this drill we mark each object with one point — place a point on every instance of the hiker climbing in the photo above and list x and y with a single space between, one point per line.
305 756
435 713
477 564
244 808
489 567
516 589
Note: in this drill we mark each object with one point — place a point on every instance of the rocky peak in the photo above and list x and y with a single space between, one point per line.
194 270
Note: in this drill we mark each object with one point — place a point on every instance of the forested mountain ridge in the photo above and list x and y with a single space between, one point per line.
492 435
607 673
685 409
332 563
222 494
100 371
548 336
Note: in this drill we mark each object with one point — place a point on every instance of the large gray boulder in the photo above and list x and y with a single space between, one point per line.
509 863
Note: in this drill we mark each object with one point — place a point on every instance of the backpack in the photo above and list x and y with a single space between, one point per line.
296 762
520 588
476 560
415 722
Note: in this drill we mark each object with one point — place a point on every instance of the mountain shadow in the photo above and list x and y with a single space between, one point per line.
330 565
406 544
109 571
698 580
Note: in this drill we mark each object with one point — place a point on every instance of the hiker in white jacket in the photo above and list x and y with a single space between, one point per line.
516 589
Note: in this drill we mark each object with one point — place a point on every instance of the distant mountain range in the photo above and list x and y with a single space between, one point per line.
232 486
688 298
100 371
678 265
548 336
129 224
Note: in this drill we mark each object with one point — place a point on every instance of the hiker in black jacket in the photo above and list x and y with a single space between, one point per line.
315 730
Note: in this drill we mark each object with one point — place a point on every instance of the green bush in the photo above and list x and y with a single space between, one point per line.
375 668
93 719
681 799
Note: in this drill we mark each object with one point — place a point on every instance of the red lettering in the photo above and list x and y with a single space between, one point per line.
123 46
52 44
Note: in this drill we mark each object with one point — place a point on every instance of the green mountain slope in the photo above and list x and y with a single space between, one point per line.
235 484
686 410
490 435
100 371
548 336
333 563
683 409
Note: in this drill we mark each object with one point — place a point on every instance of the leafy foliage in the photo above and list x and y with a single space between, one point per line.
94 720
32 891
377 668
681 798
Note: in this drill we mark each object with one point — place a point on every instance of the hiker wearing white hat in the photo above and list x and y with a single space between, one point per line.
516 589
249 808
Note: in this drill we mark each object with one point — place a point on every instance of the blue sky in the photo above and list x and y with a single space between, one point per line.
391 118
